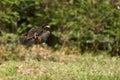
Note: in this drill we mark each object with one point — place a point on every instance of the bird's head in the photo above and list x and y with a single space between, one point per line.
47 27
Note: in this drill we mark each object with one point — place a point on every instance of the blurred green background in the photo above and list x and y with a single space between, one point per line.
80 25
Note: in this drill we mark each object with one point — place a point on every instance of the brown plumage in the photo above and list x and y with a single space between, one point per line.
35 35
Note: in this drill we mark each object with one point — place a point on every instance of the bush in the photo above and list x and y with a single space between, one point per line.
86 25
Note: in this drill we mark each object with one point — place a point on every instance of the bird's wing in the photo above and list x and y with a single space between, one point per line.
31 32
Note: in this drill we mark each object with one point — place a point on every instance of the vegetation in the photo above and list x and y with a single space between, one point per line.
84 25
77 26
86 67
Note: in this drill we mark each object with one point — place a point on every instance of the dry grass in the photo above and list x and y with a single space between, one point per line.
43 63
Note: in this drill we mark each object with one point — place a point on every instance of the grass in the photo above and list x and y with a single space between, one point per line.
66 67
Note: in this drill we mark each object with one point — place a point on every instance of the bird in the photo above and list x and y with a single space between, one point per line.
36 35
43 34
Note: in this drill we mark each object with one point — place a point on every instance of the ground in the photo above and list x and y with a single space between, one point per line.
63 67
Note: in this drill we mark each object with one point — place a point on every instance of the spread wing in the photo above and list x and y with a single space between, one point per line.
31 32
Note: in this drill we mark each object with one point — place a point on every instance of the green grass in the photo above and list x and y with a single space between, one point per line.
69 67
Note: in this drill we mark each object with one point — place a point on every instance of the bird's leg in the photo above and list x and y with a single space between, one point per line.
39 39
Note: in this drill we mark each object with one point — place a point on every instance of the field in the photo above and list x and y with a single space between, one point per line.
63 67
84 41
